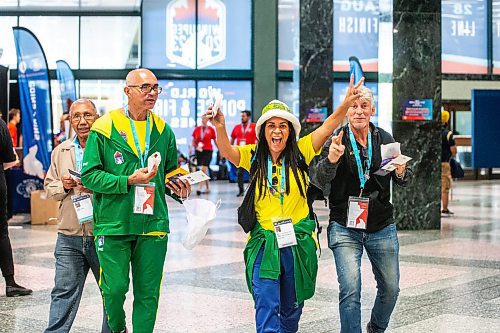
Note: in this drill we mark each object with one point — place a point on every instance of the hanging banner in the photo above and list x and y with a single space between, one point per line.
189 34
183 102
464 26
66 84
34 95
355 32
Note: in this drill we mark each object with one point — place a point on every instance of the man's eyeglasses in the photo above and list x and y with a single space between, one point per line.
147 88
87 116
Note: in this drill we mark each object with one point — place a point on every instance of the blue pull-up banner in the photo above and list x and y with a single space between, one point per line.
36 110
66 84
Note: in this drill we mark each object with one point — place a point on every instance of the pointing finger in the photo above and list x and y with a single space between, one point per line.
359 83
339 137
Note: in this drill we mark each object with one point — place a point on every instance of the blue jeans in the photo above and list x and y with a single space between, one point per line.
382 248
75 256
276 308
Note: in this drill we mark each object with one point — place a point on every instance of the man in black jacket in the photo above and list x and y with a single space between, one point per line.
8 158
361 215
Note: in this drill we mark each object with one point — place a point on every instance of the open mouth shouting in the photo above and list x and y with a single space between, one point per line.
277 143
277 132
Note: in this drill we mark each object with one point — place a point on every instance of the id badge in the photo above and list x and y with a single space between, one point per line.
357 215
285 234
199 147
243 142
144 199
83 207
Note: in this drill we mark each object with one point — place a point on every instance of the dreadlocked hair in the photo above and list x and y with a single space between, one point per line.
294 160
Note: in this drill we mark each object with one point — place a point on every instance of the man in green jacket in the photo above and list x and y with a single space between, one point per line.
131 222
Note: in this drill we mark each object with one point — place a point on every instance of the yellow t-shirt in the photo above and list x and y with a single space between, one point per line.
122 125
269 206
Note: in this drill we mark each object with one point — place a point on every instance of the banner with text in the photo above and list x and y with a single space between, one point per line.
464 37
183 102
190 34
36 109
355 33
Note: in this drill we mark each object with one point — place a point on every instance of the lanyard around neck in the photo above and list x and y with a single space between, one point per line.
270 178
363 175
142 156
245 129
78 154
203 131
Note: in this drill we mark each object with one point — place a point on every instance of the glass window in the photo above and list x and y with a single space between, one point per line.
7 47
464 40
176 105
58 36
355 33
288 34
47 5
288 92
110 42
340 89
8 4
111 5
77 5
57 110
496 36
463 122
107 95
222 39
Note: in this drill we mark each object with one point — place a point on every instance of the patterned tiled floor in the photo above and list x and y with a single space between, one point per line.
450 278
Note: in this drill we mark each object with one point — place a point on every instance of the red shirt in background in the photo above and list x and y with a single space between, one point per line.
244 134
13 133
204 135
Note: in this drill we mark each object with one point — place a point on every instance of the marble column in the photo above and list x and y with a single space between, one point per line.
417 75
315 58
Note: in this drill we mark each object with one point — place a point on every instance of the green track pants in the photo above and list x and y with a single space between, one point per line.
146 255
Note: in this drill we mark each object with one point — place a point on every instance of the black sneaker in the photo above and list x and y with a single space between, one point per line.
447 212
240 194
17 290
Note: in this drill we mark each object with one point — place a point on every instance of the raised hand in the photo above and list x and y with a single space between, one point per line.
216 118
336 148
352 92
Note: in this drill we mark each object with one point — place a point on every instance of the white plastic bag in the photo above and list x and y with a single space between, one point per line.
200 213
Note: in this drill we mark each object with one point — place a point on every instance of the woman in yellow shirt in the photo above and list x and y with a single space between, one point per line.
280 257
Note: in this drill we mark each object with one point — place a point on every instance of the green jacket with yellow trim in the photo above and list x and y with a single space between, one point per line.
304 257
105 173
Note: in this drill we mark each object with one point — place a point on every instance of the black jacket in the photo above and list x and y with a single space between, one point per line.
339 181
7 153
